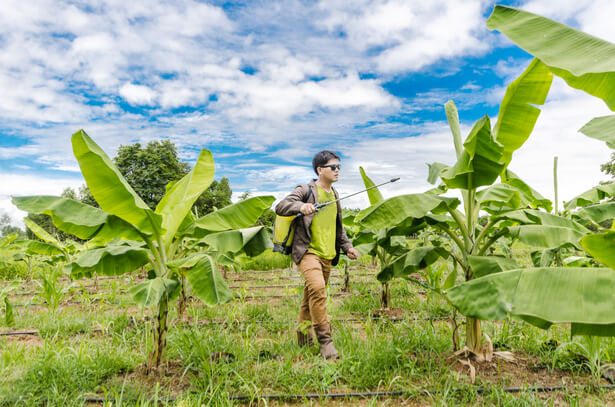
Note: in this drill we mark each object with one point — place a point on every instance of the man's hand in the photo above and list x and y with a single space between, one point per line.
307 209
353 254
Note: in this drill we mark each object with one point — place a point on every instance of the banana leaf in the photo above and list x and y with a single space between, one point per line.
111 260
593 196
179 198
402 208
452 116
41 233
585 62
601 128
413 261
546 237
601 246
6 240
67 215
484 265
499 198
150 292
542 296
518 112
240 215
252 241
536 200
480 162
43 248
543 258
596 213
110 189
374 194
204 277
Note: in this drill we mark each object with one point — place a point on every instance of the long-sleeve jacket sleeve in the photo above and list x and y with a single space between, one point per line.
292 203
344 242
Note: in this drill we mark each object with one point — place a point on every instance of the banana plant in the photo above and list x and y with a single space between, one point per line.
385 244
511 204
125 234
7 240
9 318
543 296
48 246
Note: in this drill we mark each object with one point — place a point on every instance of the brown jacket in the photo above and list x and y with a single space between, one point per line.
301 242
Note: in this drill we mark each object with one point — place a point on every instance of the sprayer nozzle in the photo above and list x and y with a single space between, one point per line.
395 179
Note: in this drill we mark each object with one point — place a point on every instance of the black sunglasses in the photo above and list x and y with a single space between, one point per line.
332 166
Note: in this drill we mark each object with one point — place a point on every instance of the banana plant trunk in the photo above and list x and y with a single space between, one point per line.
181 303
474 335
160 336
385 297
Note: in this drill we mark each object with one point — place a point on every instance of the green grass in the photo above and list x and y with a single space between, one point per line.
256 352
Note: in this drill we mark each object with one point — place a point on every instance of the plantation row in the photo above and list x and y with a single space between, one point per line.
457 250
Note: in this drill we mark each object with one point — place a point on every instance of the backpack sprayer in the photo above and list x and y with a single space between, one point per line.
284 226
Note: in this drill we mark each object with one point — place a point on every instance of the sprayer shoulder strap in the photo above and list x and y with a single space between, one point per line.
310 192
304 200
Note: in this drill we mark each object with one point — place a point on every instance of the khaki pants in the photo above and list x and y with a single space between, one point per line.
315 272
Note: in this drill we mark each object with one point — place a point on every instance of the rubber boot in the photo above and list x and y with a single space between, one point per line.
305 339
323 333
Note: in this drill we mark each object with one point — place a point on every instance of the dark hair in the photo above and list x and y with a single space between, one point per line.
322 158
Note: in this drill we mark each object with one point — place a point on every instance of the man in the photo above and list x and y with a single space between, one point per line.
319 236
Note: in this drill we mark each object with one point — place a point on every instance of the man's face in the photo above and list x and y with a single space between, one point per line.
327 173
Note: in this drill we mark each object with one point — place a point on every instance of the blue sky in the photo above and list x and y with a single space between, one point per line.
266 84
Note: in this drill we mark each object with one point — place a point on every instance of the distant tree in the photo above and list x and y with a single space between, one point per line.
149 169
217 196
85 196
6 228
609 168
69 193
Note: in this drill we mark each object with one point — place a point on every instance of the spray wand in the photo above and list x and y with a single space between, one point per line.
319 206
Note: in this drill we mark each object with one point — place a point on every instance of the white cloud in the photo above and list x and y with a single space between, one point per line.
137 94
7 153
415 34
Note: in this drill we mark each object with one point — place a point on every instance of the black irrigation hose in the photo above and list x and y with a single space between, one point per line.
284 286
99 300
341 320
252 297
367 394
236 296
254 322
94 300
479 390
32 333
78 290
